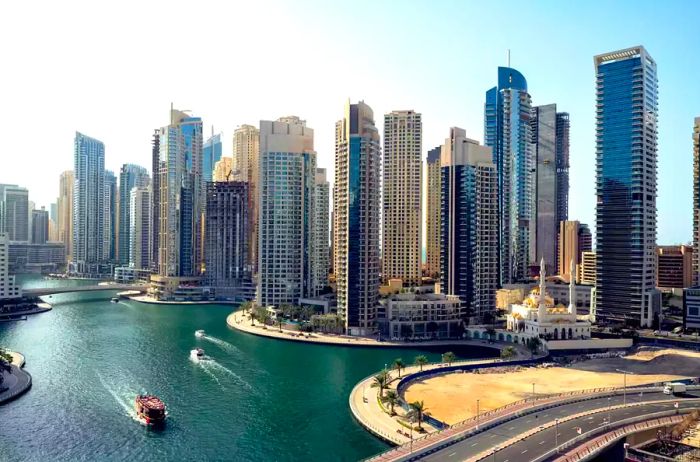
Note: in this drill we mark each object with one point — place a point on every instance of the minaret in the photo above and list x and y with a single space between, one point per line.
572 289
542 309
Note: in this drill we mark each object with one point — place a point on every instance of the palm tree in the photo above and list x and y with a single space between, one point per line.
449 358
280 321
5 361
381 380
533 344
398 365
421 360
393 399
417 411
492 333
508 352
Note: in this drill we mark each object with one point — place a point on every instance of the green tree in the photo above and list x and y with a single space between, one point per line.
421 360
417 411
449 358
398 365
392 398
5 361
533 344
508 352
491 333
381 381
280 321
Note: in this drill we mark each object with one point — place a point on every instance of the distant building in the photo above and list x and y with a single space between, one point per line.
696 202
129 275
691 308
211 154
402 194
432 226
130 176
40 226
15 212
357 216
587 269
9 289
321 265
574 239
674 266
421 316
65 211
226 243
246 161
140 251
626 163
223 170
469 220
49 257
111 225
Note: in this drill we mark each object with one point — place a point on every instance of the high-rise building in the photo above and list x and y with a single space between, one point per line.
246 161
8 287
226 243
223 170
65 211
507 132
696 202
155 201
626 159
179 196
53 222
550 182
111 225
40 226
211 153
321 265
469 218
287 183
574 239
130 176
674 266
402 191
433 208
15 212
140 252
587 269
356 198
88 203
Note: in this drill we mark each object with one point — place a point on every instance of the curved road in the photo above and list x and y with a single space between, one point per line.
540 443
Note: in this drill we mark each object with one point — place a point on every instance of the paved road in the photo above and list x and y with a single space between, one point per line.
543 441
16 383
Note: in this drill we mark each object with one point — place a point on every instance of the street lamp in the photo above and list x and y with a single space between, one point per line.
495 448
477 414
609 410
556 435
533 394
624 386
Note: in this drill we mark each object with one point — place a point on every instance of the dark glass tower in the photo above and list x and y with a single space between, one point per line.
626 158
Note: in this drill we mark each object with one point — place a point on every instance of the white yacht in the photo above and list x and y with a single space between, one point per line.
199 333
197 354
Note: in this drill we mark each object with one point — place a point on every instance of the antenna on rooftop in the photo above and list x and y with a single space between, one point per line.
508 57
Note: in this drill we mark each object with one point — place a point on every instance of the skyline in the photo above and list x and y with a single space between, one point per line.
128 94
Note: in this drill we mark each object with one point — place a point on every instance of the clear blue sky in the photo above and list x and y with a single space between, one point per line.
111 70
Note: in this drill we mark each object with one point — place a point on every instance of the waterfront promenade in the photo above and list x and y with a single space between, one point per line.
18 381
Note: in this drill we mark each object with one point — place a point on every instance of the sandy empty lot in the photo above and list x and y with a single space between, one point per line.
452 397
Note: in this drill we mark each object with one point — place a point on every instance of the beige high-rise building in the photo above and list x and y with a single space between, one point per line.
432 217
223 170
696 202
246 160
401 232
65 211
587 270
574 239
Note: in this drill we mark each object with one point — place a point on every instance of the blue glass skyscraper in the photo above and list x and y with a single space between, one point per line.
507 132
211 154
626 157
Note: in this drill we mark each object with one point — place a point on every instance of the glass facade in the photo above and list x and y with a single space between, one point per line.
626 158
130 176
88 202
211 154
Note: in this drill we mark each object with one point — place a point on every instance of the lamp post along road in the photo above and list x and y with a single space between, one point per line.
477 414
556 435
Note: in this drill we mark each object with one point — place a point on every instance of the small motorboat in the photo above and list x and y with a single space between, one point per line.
115 300
199 333
197 354
150 409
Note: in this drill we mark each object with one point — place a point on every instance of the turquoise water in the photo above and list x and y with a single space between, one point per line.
257 399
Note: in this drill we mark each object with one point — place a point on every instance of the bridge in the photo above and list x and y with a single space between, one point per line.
38 292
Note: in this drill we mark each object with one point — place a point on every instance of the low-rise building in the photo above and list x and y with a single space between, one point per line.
587 270
691 308
420 316
674 266
128 275
178 289
49 257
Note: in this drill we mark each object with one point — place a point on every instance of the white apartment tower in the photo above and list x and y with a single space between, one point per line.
321 266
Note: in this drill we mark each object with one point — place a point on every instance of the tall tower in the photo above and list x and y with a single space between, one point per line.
356 198
287 184
321 265
469 218
550 143
626 158
696 202
88 203
211 154
15 212
507 132
130 176
246 161
401 228
180 196
110 220
139 227
432 226
155 200
65 211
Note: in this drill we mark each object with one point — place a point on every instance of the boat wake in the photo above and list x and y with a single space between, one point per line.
219 372
122 399
223 344
204 364
220 367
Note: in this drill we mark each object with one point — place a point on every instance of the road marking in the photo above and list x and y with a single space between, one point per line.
452 454
528 421
474 444
524 452
493 436
545 415
542 442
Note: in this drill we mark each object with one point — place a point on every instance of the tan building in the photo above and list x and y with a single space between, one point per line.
401 232
246 160
432 228
587 269
574 239
696 202
223 170
65 211
674 266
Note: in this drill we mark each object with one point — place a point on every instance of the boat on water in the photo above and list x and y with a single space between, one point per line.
150 409
115 300
197 354
199 333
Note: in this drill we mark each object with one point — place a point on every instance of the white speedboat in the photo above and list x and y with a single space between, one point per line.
199 333
115 300
197 354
